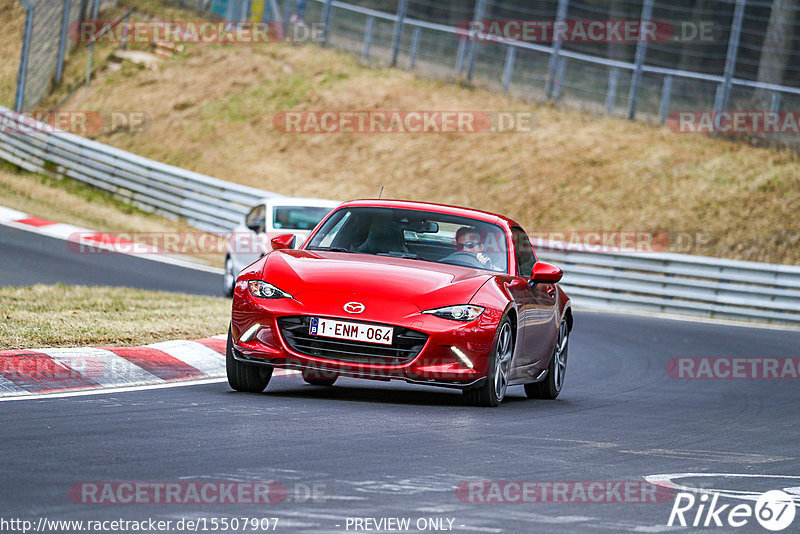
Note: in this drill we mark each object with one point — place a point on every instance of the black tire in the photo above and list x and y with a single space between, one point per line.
491 393
314 379
228 278
244 377
551 386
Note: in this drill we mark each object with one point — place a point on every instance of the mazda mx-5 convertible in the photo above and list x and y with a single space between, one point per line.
387 289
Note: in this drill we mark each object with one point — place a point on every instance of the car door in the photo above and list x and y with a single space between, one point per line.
247 244
536 305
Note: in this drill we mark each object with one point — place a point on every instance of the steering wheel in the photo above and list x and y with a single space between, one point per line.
464 259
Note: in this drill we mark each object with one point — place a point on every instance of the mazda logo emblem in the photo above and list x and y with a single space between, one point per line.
354 307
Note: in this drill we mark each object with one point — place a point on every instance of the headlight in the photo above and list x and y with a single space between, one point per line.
464 312
259 288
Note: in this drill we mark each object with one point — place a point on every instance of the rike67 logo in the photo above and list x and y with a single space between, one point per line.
773 510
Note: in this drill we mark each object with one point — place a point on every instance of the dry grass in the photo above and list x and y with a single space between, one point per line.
70 202
12 18
212 112
73 316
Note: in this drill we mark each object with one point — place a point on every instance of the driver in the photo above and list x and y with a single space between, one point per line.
468 240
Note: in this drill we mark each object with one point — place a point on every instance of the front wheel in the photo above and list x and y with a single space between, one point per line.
493 390
550 387
243 377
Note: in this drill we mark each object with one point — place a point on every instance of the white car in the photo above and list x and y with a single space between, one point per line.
270 218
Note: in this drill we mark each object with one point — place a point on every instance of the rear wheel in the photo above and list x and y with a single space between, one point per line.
244 377
550 387
493 390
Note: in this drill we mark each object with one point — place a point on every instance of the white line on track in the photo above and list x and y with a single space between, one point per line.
668 480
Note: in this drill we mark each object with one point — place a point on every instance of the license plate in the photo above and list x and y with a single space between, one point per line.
351 331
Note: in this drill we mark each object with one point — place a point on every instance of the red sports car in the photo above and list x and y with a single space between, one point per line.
387 289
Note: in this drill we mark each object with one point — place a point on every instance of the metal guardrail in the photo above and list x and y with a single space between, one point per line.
666 282
679 283
205 202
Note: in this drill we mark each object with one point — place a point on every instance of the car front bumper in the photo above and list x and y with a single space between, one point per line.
454 354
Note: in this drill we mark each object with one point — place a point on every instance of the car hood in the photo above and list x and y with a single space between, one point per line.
324 279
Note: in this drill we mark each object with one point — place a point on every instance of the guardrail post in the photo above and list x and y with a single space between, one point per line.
22 73
402 7
412 58
62 40
327 15
641 52
775 102
559 82
477 15
724 90
666 93
271 12
611 92
95 11
125 30
561 15
287 13
508 67
368 37
460 56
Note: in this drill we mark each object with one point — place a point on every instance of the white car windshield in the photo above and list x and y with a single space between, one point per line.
297 217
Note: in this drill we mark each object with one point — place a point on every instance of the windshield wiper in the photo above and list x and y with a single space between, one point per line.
333 249
405 255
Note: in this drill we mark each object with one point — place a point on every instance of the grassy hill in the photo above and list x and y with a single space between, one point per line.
212 111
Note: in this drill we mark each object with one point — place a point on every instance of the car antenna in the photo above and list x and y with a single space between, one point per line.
380 195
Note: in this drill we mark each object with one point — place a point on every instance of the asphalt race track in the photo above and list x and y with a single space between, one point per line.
375 450
30 258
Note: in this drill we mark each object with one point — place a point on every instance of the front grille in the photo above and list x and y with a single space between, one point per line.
406 344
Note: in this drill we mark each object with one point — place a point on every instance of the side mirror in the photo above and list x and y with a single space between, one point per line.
283 242
546 273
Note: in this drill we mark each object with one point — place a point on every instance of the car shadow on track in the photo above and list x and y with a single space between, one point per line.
378 395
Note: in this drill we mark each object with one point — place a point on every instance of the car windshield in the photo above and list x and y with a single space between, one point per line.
415 234
297 217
